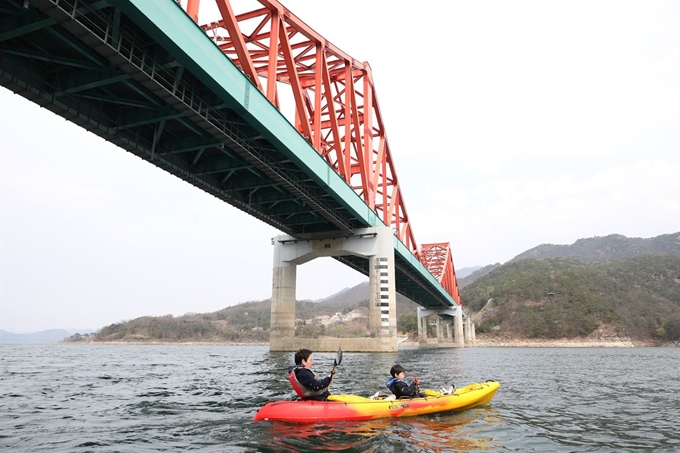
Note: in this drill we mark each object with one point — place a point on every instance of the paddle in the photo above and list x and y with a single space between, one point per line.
337 360
417 381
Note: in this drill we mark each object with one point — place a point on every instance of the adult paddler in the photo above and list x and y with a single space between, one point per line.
306 383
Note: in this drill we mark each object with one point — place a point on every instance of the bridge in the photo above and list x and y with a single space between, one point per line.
203 102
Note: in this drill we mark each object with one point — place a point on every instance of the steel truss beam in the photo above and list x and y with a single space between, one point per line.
336 108
437 259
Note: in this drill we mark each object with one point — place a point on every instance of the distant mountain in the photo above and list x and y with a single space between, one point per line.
465 271
46 336
246 322
595 249
638 298
531 298
605 248
481 272
358 293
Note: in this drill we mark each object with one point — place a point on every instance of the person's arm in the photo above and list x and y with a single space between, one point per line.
401 389
405 389
413 389
308 379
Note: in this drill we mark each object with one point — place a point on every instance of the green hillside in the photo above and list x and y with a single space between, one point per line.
247 322
594 249
627 285
551 299
605 248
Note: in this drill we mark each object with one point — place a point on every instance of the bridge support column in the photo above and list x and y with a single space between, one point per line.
468 331
421 318
444 331
448 319
283 299
376 244
458 329
381 279
474 336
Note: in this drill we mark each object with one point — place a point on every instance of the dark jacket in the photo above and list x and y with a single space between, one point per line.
313 387
401 388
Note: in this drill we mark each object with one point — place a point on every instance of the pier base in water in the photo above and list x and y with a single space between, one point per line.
329 344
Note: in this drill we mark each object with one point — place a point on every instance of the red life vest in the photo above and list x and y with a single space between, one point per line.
301 390
296 385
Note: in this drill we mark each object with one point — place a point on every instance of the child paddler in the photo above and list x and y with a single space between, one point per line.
399 386
306 382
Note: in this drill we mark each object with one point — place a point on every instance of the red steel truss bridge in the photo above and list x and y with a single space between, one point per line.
203 102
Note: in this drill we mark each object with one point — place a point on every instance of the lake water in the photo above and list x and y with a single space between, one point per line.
160 398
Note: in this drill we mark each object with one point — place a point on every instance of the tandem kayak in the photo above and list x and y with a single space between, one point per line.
356 408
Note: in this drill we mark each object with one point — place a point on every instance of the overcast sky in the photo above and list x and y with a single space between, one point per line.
511 124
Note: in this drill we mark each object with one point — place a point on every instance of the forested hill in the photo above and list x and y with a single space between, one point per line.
557 298
637 297
249 322
605 248
594 249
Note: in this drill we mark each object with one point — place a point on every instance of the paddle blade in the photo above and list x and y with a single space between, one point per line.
338 358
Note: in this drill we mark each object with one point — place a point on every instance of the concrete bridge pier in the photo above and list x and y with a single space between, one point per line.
467 330
459 337
450 319
440 331
375 244
445 332
421 320
449 331
283 299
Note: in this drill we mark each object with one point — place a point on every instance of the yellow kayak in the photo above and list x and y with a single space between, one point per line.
354 407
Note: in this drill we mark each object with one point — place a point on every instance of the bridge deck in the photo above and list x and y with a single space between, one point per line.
144 76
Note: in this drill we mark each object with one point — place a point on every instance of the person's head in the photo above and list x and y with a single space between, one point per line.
304 357
398 371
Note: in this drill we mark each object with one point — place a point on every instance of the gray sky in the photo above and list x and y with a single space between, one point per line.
511 124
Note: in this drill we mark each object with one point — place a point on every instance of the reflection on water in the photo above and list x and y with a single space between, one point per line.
449 432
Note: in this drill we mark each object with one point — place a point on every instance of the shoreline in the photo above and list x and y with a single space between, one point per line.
539 344
601 342
494 343
480 343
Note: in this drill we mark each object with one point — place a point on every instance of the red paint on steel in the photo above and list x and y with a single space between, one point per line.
437 259
336 106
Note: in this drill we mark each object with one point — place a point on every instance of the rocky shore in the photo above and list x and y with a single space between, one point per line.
563 343
560 343
606 336
178 343
601 338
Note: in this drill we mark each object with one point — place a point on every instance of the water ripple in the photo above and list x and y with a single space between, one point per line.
152 398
